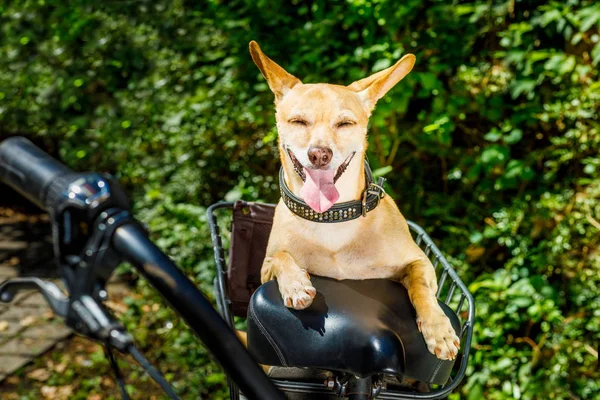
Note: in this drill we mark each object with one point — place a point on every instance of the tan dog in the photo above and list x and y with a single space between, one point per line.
322 133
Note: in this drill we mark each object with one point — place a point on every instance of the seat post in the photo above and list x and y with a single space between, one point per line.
359 389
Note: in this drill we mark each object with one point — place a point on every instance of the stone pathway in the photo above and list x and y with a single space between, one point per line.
27 325
27 329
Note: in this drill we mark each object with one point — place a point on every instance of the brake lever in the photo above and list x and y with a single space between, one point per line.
53 295
85 314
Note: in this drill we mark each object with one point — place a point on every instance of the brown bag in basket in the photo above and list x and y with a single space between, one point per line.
250 231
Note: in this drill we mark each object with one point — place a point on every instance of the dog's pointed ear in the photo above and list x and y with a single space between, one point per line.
279 80
374 87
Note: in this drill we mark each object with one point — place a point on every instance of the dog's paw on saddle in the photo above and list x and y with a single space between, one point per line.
296 289
439 336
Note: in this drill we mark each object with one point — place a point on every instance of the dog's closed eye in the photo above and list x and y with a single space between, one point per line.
298 121
345 123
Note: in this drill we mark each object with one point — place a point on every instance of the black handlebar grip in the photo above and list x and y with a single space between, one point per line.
28 170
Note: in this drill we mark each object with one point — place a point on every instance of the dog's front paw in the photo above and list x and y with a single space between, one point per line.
296 290
439 336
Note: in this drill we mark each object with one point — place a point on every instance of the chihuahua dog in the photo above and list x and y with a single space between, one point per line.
322 145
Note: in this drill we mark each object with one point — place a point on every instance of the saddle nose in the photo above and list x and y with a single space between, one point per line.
320 157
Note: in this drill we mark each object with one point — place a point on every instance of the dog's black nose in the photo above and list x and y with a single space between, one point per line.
320 157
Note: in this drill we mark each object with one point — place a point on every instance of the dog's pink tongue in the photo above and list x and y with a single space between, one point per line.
318 191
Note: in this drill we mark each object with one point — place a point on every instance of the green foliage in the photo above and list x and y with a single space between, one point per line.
491 143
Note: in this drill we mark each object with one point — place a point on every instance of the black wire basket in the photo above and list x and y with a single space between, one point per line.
451 291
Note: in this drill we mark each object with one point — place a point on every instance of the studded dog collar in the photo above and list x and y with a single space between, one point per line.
339 212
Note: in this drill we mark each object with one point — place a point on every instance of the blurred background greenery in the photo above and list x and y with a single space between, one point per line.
492 143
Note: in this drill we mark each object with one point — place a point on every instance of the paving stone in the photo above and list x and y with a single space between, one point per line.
13 328
117 288
47 331
11 363
35 300
20 297
19 313
7 271
26 346
12 245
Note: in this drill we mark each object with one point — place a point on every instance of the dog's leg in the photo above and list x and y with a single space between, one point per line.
419 279
294 282
243 337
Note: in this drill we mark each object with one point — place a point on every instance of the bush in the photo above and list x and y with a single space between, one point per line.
491 143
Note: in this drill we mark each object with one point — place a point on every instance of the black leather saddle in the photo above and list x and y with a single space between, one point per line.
361 327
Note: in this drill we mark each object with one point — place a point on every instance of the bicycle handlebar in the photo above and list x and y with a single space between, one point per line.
29 170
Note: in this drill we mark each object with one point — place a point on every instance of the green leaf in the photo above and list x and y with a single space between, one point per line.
381 64
428 80
522 86
589 21
521 302
589 169
513 137
596 54
493 136
476 392
382 171
494 155
431 128
567 66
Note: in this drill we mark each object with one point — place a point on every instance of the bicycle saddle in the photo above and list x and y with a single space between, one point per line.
360 327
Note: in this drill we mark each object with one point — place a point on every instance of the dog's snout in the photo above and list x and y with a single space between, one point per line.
320 157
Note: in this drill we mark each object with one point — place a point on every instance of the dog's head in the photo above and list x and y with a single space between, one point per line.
323 128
